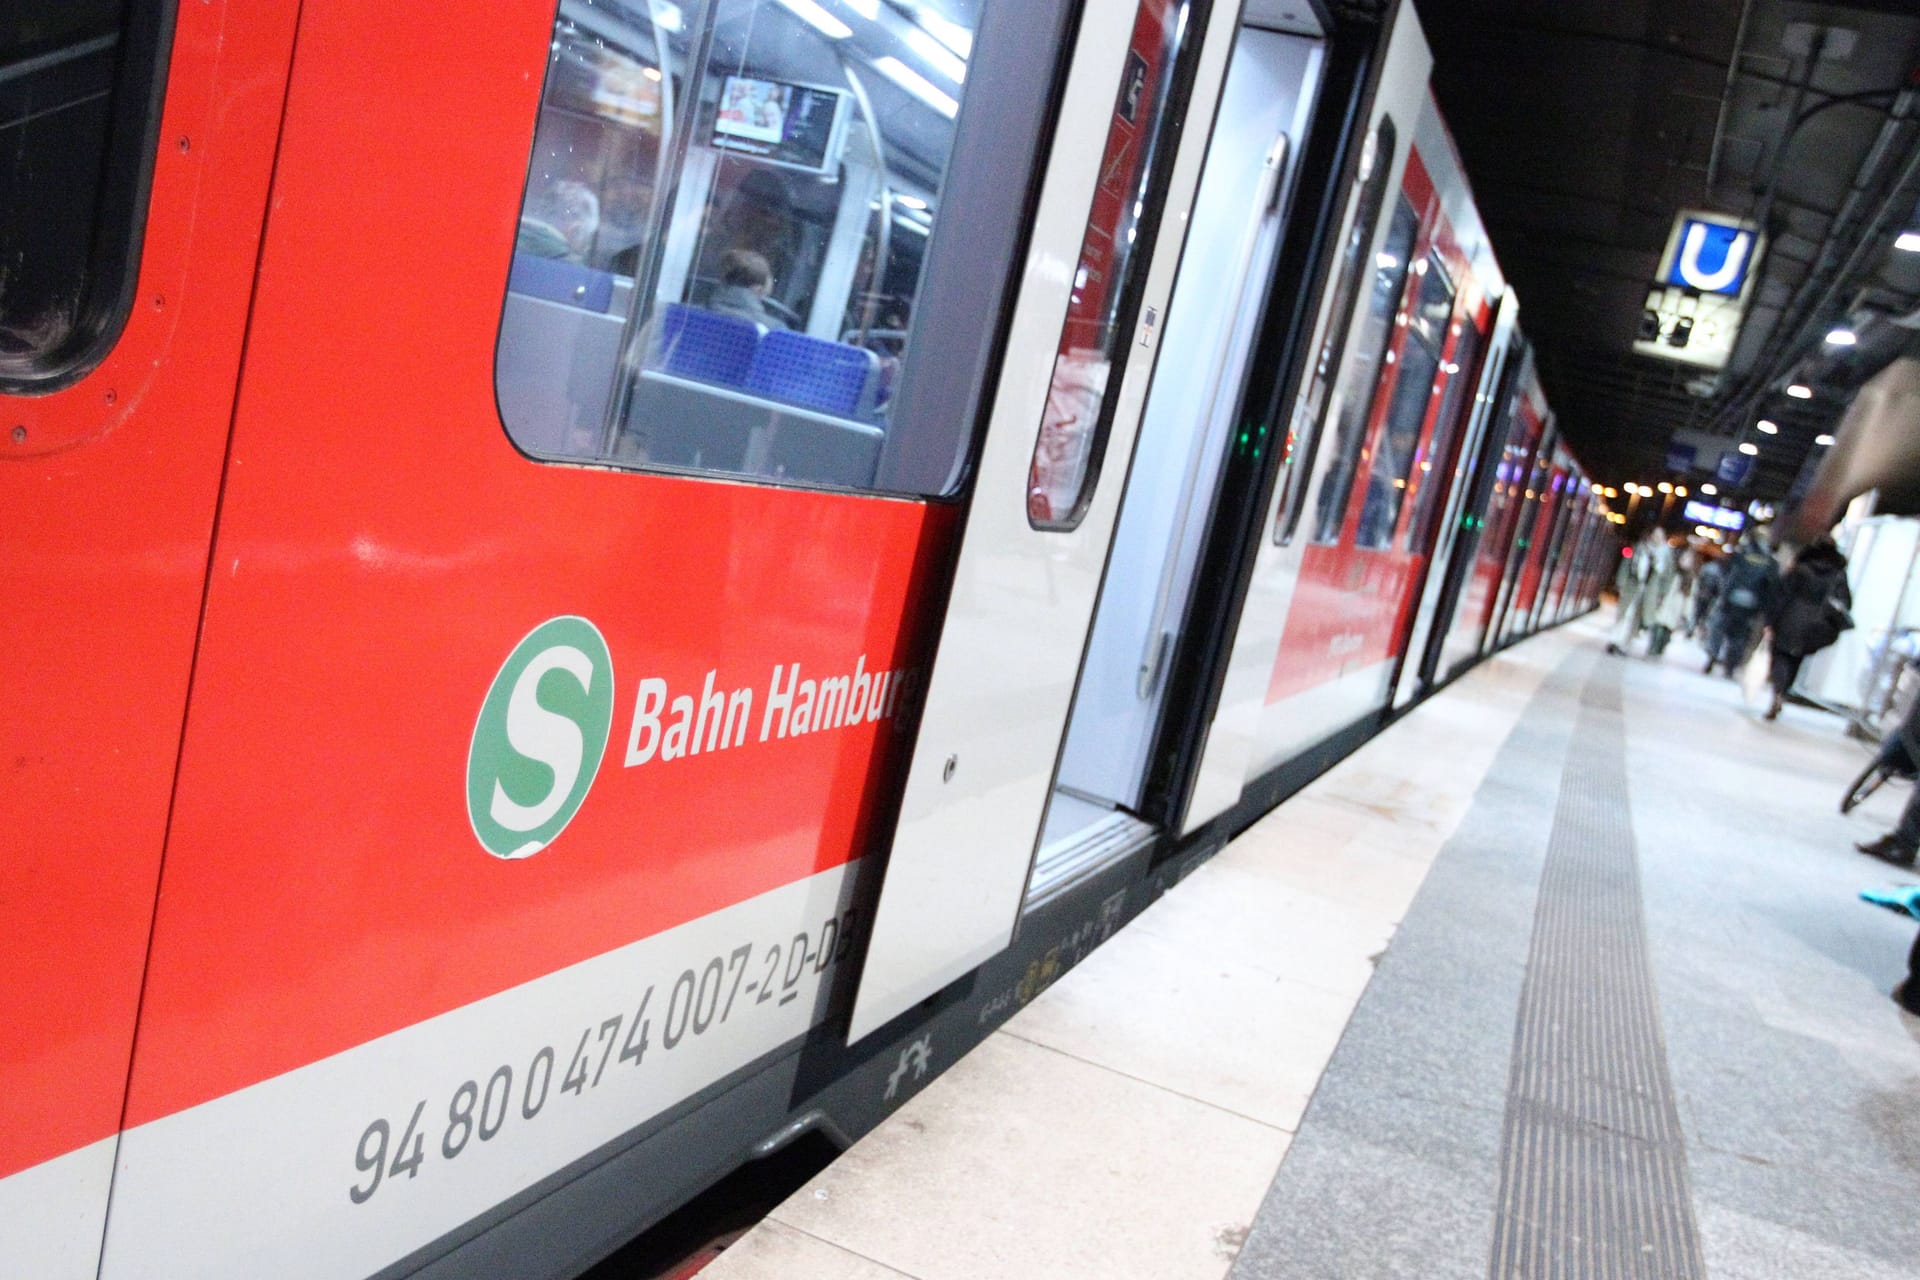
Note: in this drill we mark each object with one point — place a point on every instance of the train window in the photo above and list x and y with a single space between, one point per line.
1103 307
725 239
1304 431
1413 388
1351 404
79 106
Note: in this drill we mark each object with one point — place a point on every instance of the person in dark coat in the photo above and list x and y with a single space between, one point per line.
1706 592
1749 594
1811 614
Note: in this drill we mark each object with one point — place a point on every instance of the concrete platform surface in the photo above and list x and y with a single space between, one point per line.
1564 974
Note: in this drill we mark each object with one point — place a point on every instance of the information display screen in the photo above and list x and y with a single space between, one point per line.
796 125
1718 517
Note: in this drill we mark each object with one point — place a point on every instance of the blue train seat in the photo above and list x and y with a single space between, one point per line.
812 373
706 345
557 280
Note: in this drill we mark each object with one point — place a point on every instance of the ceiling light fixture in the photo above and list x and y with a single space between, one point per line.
1766 428
1749 448
1823 439
1709 489
1800 391
937 55
1842 337
819 19
944 29
1909 240
916 84
669 17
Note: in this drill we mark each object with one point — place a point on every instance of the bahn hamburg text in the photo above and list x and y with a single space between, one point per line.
669 727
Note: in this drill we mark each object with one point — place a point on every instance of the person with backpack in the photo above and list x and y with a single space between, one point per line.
1811 613
1749 594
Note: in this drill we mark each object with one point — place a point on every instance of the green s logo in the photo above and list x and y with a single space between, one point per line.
540 737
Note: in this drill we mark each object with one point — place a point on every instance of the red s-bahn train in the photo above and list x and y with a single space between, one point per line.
592 589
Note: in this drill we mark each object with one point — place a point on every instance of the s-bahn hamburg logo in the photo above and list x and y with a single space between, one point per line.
540 737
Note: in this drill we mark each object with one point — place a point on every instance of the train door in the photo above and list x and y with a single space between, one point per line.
1042 520
1592 524
1352 327
138 140
1447 460
1346 624
1467 500
1096 810
1497 507
1565 545
1522 576
1505 555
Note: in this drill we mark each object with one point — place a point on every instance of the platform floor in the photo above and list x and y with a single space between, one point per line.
1564 975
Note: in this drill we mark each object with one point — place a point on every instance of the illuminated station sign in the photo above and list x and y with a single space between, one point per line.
1716 517
1694 308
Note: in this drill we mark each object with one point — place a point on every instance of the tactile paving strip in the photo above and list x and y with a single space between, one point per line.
1593 1181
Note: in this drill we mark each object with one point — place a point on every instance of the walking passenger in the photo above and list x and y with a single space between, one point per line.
1642 580
1749 594
1706 590
1814 599
1675 605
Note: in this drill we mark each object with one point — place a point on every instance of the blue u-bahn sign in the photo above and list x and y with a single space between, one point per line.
1734 468
1710 256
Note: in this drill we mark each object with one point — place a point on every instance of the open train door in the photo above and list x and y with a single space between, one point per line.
1093 293
1246 739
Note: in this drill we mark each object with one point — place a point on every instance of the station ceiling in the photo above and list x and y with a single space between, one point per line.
1586 125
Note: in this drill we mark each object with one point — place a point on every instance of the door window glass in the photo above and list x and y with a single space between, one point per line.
1462 377
1103 306
78 110
1351 405
1394 454
722 245
1307 426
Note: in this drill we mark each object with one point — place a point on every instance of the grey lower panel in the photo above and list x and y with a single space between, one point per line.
1593 1163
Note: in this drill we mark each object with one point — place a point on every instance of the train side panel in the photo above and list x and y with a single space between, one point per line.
368 1020
109 483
